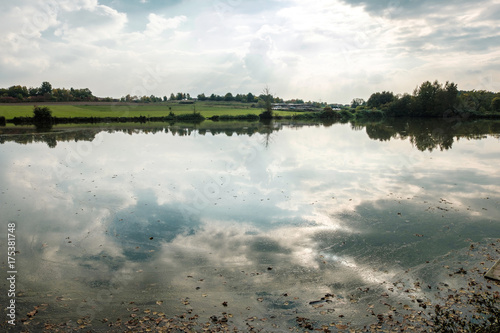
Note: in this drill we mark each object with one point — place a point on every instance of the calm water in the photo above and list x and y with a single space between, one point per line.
265 218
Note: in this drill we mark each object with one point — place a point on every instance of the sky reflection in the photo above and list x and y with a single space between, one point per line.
318 210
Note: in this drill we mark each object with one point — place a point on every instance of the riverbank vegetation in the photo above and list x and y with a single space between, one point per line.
435 100
80 106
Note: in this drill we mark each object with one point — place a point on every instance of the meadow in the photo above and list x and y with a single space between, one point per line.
206 108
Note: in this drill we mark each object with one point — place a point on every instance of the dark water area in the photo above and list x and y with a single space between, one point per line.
274 226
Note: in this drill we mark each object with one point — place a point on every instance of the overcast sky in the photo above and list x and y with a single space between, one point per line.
319 50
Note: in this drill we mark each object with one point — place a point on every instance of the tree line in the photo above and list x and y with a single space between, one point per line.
432 100
45 93
181 96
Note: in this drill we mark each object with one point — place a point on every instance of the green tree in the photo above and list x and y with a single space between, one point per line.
378 99
229 97
424 98
357 102
495 104
250 98
42 117
446 98
33 91
400 106
45 88
18 92
434 99
266 100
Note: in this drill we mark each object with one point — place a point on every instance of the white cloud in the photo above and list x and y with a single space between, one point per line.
84 26
158 24
328 50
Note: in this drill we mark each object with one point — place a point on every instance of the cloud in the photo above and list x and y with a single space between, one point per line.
158 24
87 26
407 9
325 50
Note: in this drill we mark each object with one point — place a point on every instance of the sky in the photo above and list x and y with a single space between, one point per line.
329 51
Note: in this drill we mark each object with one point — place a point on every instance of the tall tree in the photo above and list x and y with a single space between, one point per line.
266 100
250 98
45 88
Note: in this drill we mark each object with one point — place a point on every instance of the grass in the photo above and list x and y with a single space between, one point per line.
207 109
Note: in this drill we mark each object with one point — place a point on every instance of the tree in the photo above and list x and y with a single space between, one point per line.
202 97
45 88
495 104
250 98
266 99
400 106
378 99
33 91
82 94
42 117
229 97
357 102
434 99
18 92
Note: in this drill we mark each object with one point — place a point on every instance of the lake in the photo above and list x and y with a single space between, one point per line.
274 226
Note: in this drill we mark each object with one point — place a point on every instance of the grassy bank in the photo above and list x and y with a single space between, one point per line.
207 109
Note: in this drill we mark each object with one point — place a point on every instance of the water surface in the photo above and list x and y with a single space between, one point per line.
256 222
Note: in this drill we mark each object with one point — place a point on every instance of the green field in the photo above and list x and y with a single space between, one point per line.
207 109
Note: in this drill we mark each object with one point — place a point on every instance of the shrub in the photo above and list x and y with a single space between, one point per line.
328 113
2 121
372 114
42 117
346 114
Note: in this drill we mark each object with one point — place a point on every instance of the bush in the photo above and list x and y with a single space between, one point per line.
239 117
372 114
2 121
42 117
266 115
190 117
328 113
346 114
